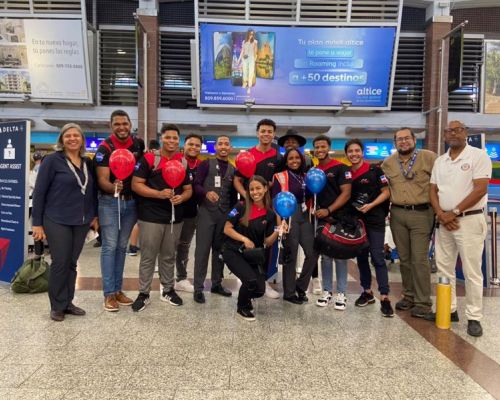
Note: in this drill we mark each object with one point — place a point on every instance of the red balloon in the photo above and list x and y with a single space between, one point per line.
173 173
122 163
245 163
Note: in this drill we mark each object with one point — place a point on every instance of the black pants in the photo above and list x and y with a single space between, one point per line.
66 243
253 284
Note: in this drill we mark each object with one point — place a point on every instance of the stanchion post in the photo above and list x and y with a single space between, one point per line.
494 280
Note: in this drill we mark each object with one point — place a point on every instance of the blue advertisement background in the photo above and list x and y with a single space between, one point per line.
13 196
295 81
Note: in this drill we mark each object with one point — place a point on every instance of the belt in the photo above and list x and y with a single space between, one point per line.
415 207
123 197
471 212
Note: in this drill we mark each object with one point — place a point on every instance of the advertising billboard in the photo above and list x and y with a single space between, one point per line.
492 78
311 67
43 60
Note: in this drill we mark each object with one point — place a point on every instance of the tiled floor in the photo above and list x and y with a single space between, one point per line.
207 352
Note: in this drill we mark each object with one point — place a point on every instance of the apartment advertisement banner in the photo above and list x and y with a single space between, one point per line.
43 59
295 66
492 78
14 168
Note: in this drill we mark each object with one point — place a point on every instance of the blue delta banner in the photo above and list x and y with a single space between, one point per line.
14 168
295 66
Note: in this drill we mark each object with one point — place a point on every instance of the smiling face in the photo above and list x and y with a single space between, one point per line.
72 140
121 127
291 143
293 160
405 142
223 147
321 149
257 191
456 135
192 147
265 134
354 154
170 141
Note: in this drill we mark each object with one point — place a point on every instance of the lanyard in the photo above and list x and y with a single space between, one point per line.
301 181
83 187
408 174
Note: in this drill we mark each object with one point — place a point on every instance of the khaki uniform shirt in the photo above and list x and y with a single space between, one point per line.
410 191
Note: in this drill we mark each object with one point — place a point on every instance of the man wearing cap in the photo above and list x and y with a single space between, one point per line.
459 186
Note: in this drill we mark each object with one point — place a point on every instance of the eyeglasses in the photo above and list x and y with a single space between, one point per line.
404 139
458 129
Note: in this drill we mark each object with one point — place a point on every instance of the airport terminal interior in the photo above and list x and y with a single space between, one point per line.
167 61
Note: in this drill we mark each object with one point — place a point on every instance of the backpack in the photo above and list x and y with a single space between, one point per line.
343 238
33 276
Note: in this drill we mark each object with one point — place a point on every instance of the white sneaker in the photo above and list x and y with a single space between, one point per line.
184 286
316 284
270 292
324 300
340 302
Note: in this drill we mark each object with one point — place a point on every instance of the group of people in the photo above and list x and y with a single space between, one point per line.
74 194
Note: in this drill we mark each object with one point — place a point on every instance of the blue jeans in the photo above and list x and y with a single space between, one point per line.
340 273
114 240
376 250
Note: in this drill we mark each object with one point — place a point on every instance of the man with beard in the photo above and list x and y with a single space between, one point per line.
459 186
408 172
115 239
213 186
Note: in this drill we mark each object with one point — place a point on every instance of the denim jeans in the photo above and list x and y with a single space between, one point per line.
340 273
114 240
376 250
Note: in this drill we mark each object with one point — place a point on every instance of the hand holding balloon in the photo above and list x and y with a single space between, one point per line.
165 194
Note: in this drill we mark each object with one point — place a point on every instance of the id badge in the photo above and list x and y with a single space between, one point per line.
218 182
304 207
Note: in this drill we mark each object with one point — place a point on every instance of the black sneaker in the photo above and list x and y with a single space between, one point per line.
199 297
247 315
386 308
293 299
474 328
405 304
141 302
171 297
302 295
365 299
132 250
221 290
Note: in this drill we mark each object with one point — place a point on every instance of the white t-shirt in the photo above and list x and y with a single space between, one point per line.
454 177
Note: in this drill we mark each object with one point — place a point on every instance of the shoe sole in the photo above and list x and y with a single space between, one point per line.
246 318
132 254
365 304
322 304
111 309
146 302
388 315
339 308
317 291
170 302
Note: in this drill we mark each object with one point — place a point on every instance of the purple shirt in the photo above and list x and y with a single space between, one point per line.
201 175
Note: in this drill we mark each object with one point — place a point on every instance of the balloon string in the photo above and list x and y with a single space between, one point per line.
315 219
119 215
172 219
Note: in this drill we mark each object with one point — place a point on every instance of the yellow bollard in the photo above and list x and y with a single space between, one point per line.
443 303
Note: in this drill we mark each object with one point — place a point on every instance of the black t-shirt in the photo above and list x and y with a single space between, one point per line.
191 206
337 174
261 224
158 211
266 164
367 183
101 158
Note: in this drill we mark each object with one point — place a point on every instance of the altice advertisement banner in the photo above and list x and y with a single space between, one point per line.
295 66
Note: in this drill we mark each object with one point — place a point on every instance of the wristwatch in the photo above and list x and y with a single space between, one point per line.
456 211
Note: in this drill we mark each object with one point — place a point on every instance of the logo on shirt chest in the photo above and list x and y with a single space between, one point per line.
364 181
465 167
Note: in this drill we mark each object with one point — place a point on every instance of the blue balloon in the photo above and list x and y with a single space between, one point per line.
315 180
285 204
